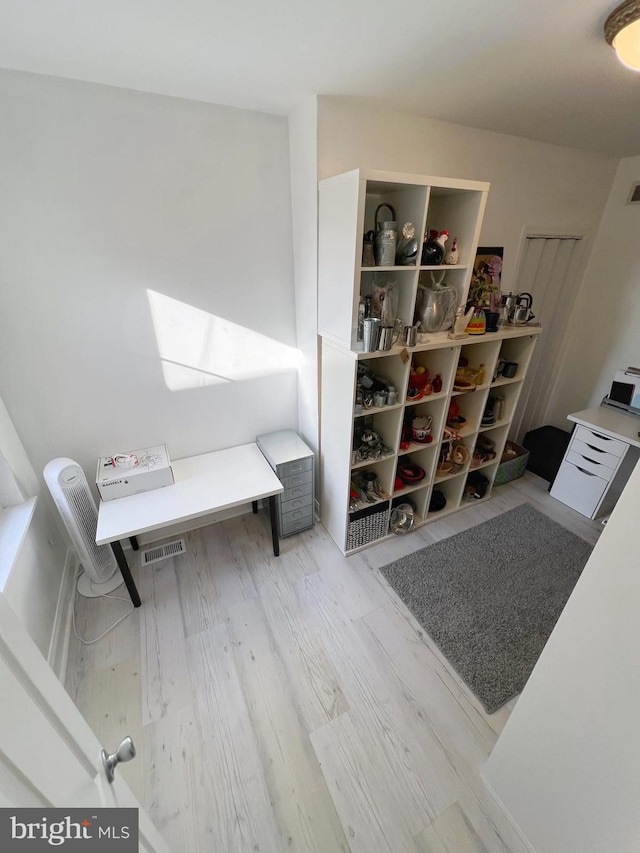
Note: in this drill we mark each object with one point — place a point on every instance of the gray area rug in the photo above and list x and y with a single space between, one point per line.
490 596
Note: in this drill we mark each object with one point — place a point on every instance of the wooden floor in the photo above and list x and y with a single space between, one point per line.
293 703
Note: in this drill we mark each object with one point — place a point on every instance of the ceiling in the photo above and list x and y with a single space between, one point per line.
540 69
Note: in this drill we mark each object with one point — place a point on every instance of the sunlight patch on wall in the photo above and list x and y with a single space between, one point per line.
197 348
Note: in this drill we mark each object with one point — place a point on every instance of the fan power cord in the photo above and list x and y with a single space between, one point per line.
99 595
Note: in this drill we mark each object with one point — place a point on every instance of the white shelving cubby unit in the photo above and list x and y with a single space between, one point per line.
347 208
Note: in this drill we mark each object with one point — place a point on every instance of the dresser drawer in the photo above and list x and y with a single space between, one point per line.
594 453
295 493
296 503
599 441
288 469
578 488
297 479
299 519
589 464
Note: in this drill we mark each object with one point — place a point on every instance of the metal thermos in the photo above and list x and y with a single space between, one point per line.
371 333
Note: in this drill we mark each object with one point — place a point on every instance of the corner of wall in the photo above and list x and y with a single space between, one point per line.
303 152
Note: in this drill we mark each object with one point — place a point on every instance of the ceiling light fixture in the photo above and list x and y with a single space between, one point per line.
622 31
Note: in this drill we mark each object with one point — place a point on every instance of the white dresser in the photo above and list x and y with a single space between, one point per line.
293 462
604 449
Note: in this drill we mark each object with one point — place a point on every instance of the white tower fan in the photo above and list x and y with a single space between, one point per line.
70 492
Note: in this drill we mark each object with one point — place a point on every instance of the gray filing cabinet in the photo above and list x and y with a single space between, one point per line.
293 463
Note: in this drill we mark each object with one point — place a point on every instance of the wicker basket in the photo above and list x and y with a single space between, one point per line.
511 467
367 525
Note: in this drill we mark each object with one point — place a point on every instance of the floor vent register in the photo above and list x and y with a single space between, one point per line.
162 552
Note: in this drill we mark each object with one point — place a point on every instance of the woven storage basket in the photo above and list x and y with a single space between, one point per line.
511 467
367 525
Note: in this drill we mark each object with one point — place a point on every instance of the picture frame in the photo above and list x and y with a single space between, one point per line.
484 289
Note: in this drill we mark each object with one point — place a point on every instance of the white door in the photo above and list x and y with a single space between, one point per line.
48 754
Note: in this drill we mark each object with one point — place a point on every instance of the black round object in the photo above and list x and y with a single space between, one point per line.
438 501
432 253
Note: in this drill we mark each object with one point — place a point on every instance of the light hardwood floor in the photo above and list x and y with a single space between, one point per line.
293 703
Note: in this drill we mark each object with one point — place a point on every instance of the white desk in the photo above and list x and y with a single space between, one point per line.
602 452
203 485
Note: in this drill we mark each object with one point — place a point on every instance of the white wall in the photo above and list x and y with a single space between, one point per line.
304 195
605 324
33 586
108 194
18 480
532 184
33 583
566 764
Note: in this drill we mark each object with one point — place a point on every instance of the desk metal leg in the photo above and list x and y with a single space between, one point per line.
134 543
273 512
125 571
254 506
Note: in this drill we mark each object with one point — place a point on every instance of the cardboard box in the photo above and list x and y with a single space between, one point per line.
131 473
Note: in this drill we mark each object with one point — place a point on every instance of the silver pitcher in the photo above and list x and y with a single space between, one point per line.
436 307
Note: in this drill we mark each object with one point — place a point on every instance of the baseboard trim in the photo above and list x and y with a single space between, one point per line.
61 634
507 813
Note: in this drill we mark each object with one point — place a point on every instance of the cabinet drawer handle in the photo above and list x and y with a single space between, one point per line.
603 437
595 449
588 473
593 461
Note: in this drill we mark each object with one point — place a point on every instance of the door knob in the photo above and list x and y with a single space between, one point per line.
126 751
